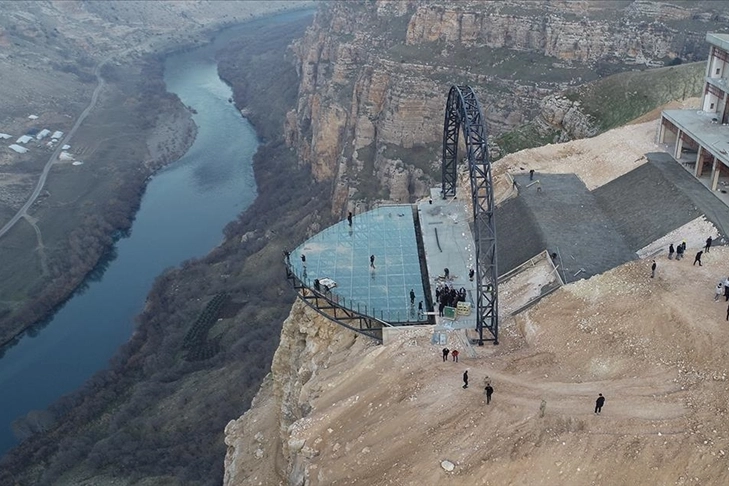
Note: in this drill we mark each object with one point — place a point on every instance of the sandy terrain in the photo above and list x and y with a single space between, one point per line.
656 348
350 412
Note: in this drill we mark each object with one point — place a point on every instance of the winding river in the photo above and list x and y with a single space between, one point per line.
182 215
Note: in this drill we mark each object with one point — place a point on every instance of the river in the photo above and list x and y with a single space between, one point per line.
182 214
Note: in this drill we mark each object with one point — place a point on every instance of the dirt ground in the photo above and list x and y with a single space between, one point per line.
656 348
350 412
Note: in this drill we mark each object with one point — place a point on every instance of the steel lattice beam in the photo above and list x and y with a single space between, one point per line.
463 113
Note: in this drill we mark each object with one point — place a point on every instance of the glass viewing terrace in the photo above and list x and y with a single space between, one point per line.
334 274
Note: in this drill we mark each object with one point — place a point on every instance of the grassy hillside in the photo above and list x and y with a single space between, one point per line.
619 98
614 101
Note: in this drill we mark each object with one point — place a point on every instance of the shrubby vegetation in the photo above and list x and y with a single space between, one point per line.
154 413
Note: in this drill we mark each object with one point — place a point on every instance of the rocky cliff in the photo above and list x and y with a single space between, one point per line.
375 75
338 410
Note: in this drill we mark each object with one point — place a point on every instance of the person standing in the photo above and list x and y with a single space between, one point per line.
708 244
542 408
489 391
531 174
719 290
653 269
349 218
727 313
599 403
679 251
303 260
465 379
412 297
445 354
698 257
372 261
454 353
671 251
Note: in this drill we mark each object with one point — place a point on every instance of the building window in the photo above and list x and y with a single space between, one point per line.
711 107
718 70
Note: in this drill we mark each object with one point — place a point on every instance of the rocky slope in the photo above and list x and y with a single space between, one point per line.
337 409
374 75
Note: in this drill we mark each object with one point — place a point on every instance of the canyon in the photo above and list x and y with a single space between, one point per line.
351 116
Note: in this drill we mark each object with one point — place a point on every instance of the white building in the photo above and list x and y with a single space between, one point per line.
43 134
18 148
700 138
5 136
24 139
57 135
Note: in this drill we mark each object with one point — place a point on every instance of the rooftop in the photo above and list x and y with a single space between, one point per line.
719 40
700 125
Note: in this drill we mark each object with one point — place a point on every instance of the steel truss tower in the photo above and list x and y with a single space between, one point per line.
463 113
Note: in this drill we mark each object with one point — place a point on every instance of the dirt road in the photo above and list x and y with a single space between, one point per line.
54 156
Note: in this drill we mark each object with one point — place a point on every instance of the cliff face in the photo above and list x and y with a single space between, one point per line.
263 447
375 75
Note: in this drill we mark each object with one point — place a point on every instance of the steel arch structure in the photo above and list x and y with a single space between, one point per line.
463 112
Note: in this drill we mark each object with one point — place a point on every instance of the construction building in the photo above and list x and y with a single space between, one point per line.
700 138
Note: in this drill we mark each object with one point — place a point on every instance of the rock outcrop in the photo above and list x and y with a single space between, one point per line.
561 113
375 75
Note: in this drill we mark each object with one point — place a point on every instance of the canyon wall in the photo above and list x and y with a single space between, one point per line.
375 75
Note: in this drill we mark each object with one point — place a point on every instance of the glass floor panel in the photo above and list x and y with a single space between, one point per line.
342 253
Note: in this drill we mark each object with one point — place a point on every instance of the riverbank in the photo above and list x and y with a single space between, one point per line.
79 213
178 407
168 131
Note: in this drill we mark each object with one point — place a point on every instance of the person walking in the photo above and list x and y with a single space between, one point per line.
698 257
727 313
445 354
372 261
349 218
599 403
653 269
454 353
489 391
719 290
671 251
708 244
412 297
542 408
679 251
465 379
531 174
303 260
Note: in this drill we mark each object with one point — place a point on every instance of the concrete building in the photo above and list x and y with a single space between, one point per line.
43 134
700 138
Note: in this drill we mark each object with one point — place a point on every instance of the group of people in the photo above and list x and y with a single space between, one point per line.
447 296
453 353
681 249
489 390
